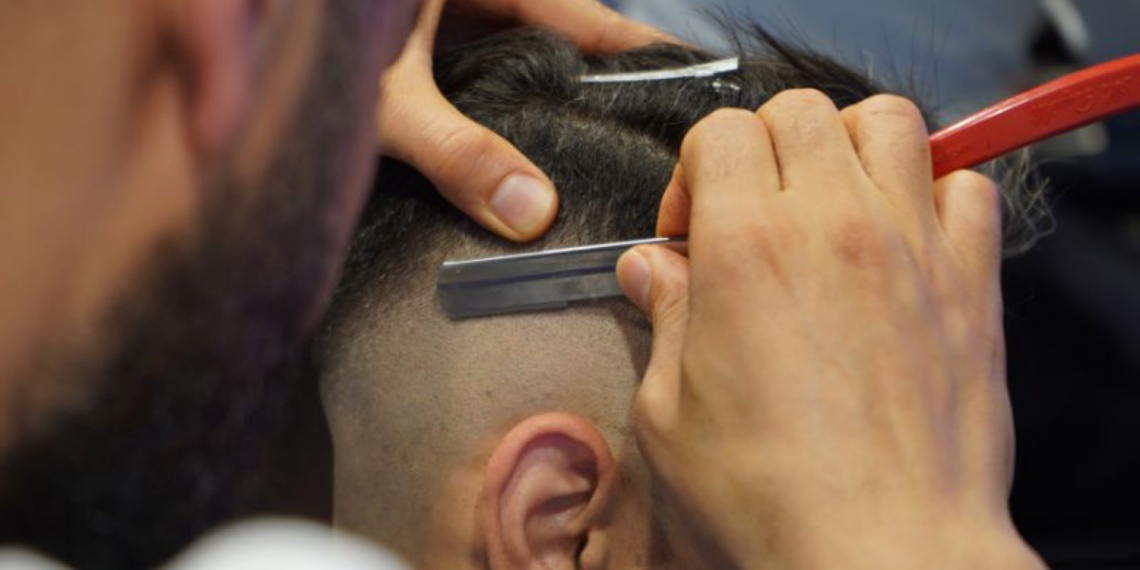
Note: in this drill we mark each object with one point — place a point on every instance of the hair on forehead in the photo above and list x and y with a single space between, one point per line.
609 148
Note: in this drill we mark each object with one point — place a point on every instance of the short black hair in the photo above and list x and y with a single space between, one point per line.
609 148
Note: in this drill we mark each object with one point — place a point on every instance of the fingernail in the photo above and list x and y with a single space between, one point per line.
636 277
523 203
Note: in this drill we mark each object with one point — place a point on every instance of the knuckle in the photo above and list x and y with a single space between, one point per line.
891 123
888 105
720 136
798 114
978 185
796 103
980 196
458 152
718 126
798 99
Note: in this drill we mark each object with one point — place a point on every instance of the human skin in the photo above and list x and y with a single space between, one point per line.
80 216
118 115
180 180
475 169
177 214
498 442
827 384
123 109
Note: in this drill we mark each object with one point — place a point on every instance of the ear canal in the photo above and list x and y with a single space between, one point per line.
547 484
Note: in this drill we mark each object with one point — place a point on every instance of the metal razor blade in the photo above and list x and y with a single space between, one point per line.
553 279
536 281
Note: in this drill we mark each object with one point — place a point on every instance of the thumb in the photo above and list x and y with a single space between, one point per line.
656 279
472 167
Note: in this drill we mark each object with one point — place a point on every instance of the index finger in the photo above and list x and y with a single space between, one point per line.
732 181
589 24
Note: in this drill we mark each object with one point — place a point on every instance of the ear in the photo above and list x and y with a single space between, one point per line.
547 490
217 42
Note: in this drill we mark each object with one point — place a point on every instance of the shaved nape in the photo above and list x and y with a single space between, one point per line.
411 396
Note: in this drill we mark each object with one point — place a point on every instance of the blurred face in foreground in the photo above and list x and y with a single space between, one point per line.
180 180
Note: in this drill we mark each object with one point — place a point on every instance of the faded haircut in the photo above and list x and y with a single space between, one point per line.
609 148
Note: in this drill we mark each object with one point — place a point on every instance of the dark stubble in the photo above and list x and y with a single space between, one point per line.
193 367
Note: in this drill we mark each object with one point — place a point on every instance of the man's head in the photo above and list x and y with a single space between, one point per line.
180 177
504 441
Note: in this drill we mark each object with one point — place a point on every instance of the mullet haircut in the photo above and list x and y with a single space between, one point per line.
609 148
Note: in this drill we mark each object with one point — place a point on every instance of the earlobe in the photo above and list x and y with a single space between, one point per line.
216 41
548 485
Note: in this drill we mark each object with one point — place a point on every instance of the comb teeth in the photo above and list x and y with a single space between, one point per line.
534 281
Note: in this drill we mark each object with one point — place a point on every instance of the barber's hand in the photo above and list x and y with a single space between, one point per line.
827 387
478 171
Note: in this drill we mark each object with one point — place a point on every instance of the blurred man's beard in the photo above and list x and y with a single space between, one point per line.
193 367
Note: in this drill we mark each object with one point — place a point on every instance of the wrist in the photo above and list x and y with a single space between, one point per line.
960 547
